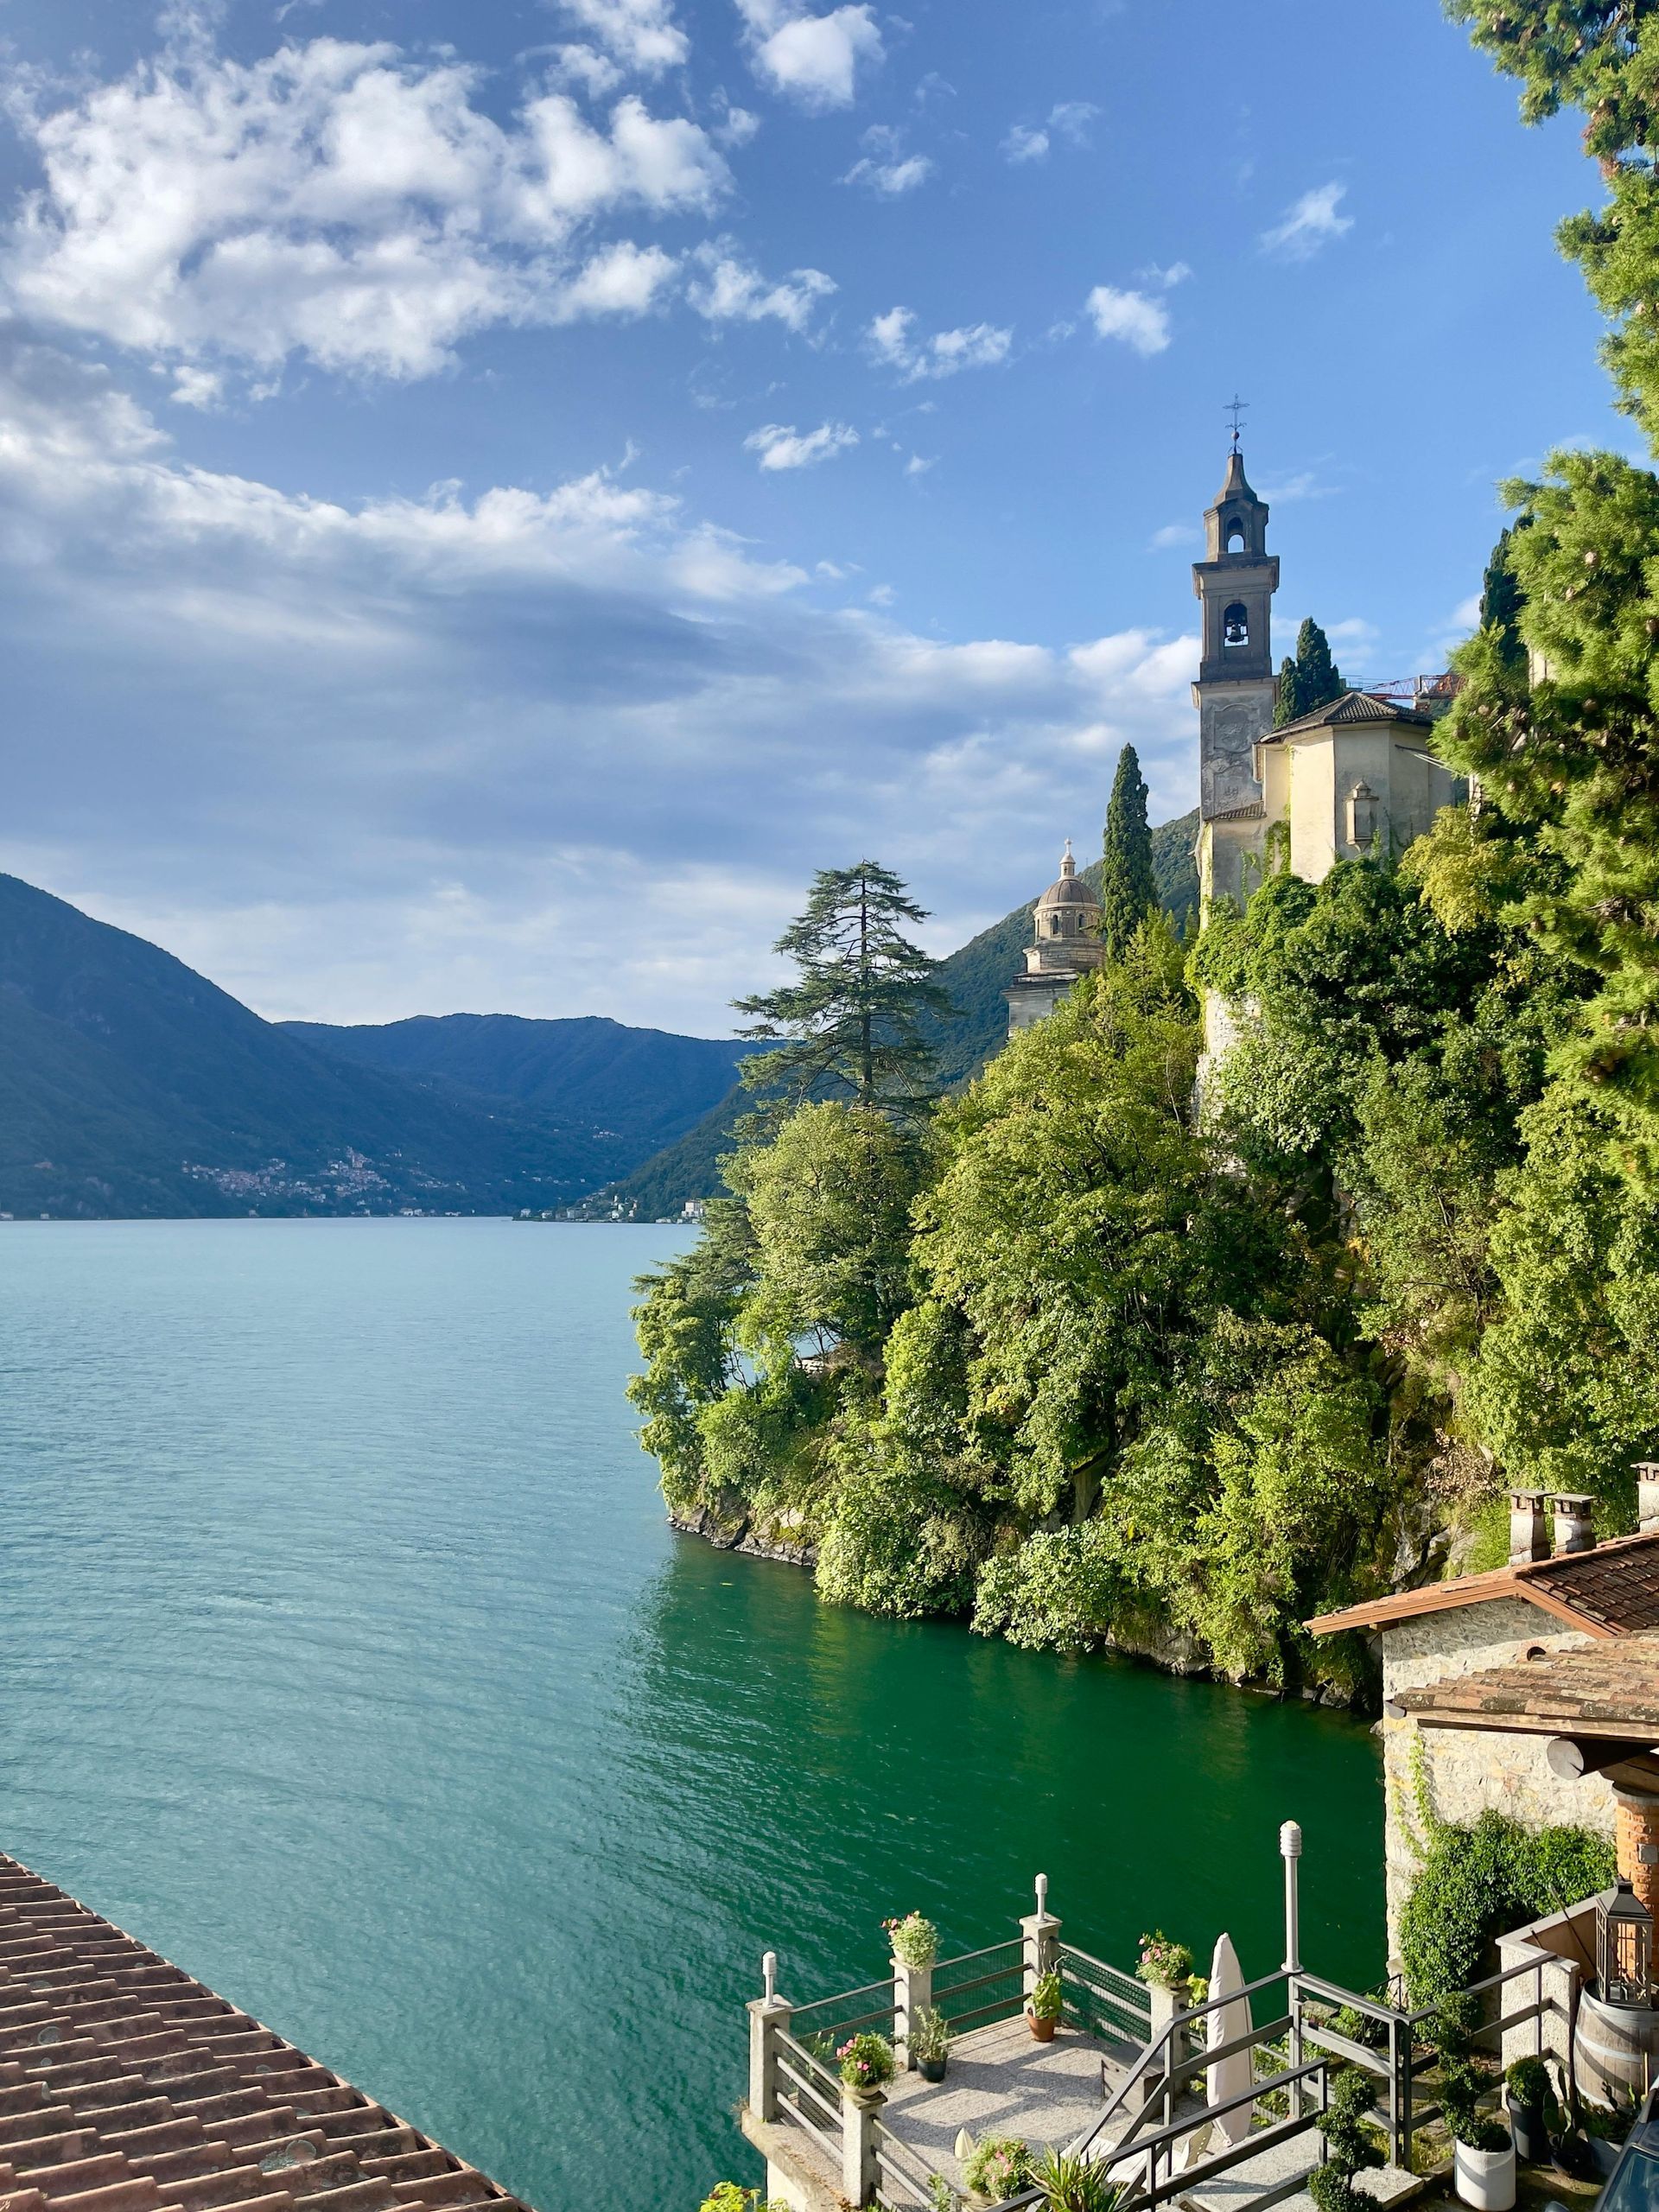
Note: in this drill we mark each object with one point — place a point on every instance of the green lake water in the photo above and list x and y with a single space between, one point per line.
345 1658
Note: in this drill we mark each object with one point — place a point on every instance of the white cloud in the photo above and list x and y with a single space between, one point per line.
585 66
1068 122
813 60
1354 630
1174 534
1303 484
886 168
1309 223
1140 322
335 200
641 33
892 340
918 466
201 388
624 279
780 445
737 125
730 289
1177 273
369 761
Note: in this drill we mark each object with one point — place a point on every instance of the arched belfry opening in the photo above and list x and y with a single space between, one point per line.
1234 535
1236 624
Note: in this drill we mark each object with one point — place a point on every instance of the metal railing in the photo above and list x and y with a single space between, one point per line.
996 1985
808 2095
827 2022
1102 2000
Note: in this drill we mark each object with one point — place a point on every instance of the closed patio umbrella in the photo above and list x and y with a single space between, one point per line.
1231 2077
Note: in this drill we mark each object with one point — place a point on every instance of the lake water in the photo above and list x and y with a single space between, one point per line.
345 1658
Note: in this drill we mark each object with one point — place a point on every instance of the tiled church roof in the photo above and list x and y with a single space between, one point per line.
126 2087
1611 1590
1352 707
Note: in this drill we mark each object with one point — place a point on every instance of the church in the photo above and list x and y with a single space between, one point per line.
1355 777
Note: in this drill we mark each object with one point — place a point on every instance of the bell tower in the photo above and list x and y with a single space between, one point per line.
1234 584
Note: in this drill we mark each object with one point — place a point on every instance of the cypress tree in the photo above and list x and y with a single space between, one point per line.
1128 889
1318 680
1285 709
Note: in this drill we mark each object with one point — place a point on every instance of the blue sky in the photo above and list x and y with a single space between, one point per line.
492 495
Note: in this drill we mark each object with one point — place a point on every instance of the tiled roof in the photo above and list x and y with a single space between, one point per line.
1611 1590
1607 1690
126 2087
1252 810
1352 707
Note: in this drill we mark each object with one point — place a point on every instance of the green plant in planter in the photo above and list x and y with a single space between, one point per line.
1165 1963
1074 2185
866 2061
914 1941
1046 2001
998 2166
1527 2083
1348 2145
929 2036
730 2197
1461 2088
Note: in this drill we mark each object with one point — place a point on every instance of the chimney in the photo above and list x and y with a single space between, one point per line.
1647 1497
1575 1529
1528 1527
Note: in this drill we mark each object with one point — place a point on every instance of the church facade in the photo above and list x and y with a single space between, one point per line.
1355 778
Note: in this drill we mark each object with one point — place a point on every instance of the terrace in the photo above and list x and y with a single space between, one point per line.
1216 2105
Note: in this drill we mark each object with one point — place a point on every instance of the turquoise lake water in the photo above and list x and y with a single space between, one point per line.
345 1658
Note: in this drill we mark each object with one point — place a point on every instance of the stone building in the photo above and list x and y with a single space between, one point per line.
1066 944
1353 776
1561 1592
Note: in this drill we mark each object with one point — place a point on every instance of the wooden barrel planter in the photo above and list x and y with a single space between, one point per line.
1615 2050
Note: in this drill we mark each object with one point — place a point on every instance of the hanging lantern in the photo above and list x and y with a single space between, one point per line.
1625 1929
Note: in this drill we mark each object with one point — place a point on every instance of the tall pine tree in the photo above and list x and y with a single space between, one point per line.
1128 889
1312 680
849 1024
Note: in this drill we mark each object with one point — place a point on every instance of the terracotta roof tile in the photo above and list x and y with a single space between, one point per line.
127 2086
1609 1690
1611 1590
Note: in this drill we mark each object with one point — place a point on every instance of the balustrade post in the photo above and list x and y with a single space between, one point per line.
1040 1933
769 2016
913 1993
859 2174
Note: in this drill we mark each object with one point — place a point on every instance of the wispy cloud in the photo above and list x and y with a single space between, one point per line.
640 32
1309 223
1175 533
726 288
884 167
892 341
780 445
1068 123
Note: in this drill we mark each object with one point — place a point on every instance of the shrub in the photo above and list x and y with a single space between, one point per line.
929 2035
1165 1963
1074 2185
866 2061
998 2166
1473 1883
915 1941
1527 2083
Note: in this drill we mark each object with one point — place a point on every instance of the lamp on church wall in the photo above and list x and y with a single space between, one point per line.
1624 1945
1362 817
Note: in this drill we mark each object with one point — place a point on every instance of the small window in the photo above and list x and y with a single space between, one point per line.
1054 926
1236 625
1235 536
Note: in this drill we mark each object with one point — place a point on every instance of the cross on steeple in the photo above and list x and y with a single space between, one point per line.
1235 407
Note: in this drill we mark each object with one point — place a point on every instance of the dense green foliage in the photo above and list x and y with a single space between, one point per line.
1129 888
1474 1882
1312 679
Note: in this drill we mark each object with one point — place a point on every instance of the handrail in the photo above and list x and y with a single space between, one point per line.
1156 2044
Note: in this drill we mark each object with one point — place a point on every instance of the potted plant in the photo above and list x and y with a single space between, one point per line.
1165 1964
1074 2185
866 2062
1482 2151
998 2166
1044 2005
1348 2144
930 2043
913 1940
1526 2086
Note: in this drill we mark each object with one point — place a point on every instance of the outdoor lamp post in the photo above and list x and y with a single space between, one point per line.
1625 1931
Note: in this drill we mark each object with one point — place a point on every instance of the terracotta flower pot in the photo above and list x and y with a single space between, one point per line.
1043 2029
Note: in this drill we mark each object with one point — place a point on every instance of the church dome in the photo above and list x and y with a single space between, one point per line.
1069 890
